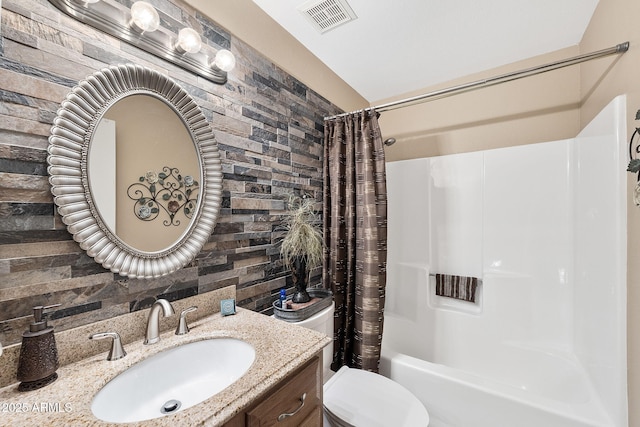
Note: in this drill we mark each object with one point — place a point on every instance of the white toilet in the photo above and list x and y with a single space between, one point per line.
353 397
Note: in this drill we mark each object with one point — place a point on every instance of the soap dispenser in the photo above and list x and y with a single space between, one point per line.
38 355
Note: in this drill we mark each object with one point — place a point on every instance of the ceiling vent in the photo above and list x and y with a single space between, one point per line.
326 15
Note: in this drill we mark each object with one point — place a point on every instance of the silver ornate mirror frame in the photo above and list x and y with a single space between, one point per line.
69 143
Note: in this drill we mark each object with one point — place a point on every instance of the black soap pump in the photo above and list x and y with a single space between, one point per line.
38 355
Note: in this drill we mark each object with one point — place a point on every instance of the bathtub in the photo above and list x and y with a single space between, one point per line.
552 391
484 364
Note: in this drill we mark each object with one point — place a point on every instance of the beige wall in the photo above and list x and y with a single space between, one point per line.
616 21
539 108
150 137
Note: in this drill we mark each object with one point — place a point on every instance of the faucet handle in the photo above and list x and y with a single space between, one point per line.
117 351
183 328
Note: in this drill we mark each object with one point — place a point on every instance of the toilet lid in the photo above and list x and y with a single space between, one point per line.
366 399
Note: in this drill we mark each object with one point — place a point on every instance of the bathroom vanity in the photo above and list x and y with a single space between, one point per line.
287 366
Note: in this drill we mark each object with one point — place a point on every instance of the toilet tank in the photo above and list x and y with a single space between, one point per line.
322 322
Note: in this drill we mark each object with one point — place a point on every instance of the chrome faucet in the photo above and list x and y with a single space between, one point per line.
153 322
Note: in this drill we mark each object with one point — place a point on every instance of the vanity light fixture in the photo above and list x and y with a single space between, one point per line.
189 41
224 60
144 17
140 26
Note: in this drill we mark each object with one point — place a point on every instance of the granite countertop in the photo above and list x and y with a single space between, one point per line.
67 401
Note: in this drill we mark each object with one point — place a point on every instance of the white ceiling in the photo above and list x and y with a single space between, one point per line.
399 46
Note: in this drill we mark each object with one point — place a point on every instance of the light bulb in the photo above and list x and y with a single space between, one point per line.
188 41
224 60
144 17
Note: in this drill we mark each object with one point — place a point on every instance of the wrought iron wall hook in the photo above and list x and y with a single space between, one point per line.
634 150
634 160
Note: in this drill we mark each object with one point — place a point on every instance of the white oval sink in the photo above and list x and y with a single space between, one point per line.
173 380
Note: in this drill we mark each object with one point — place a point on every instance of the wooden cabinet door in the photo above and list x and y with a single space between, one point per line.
295 403
314 419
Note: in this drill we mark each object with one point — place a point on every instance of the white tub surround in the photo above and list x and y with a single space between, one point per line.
544 227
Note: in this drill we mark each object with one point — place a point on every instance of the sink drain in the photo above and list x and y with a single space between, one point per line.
170 406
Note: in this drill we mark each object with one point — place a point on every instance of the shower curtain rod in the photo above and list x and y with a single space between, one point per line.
467 87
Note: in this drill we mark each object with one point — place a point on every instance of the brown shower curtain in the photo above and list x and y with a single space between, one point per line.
355 236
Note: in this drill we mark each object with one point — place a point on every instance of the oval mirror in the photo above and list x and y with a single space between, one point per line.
135 171
144 174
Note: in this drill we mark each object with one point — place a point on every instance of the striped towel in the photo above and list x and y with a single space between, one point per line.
458 287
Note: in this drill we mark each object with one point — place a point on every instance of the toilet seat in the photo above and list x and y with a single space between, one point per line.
365 399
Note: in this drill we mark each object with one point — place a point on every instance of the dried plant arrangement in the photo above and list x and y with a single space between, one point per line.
303 236
301 247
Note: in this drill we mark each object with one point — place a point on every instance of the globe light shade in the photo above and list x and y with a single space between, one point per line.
224 60
144 17
188 41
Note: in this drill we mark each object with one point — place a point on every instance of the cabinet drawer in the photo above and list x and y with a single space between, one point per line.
287 399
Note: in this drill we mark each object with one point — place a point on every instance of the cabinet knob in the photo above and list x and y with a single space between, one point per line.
283 417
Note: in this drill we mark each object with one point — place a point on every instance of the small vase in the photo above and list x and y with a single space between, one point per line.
299 279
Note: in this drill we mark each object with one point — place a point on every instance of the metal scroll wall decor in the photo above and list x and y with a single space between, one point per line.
166 195
634 163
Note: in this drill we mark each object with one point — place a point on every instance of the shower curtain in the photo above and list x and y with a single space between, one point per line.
355 236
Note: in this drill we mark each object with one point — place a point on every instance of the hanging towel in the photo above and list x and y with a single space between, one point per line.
458 287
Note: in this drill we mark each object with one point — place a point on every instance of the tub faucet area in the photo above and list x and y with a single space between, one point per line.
153 322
